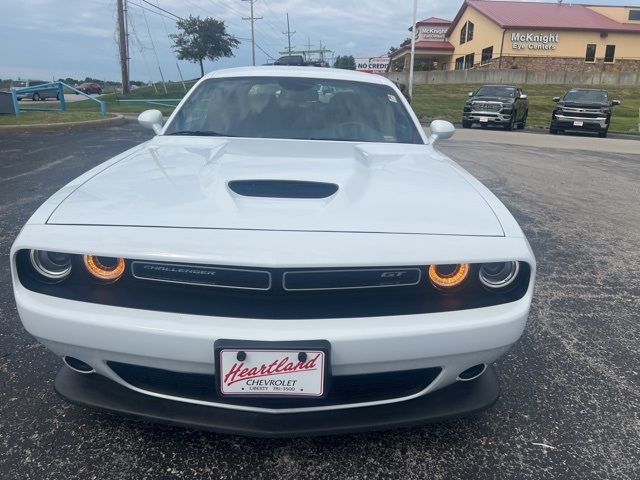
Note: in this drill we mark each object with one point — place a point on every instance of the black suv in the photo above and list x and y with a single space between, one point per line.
291 61
501 105
583 109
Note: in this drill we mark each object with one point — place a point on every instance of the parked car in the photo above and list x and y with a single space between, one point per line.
90 88
271 265
39 95
500 105
291 61
583 109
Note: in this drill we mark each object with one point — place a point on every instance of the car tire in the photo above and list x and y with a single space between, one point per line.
523 123
466 124
603 133
509 126
553 131
36 97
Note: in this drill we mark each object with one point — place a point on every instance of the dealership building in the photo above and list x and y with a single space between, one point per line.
529 35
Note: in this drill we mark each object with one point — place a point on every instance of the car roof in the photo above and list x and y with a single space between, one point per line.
299 72
504 86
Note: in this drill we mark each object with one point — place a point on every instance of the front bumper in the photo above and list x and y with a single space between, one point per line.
459 399
588 123
491 118
98 334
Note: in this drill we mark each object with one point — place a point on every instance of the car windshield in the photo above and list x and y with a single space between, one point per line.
586 96
496 91
295 108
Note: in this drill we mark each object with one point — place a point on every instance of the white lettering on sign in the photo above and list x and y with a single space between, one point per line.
431 33
372 64
534 41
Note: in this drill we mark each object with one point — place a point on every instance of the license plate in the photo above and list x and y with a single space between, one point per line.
578 124
286 372
484 119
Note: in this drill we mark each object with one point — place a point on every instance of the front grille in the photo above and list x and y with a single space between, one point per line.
575 112
487 107
345 389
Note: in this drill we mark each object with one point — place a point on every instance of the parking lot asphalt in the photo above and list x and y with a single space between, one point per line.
570 404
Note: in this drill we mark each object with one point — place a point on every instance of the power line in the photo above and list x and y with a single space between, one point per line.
141 48
269 57
166 30
160 8
152 11
155 52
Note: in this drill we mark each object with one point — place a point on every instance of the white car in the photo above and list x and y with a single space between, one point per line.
270 264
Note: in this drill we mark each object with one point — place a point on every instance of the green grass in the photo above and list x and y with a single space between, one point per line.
446 102
33 118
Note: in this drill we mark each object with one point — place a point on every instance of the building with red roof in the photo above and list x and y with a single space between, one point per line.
529 35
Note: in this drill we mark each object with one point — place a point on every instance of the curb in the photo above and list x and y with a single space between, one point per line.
68 126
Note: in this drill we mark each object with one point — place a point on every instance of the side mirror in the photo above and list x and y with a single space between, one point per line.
151 119
441 130
523 96
556 99
616 102
470 94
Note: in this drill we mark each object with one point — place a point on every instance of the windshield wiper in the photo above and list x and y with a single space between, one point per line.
201 133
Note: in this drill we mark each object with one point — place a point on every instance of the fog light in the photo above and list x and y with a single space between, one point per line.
499 275
53 266
108 269
448 276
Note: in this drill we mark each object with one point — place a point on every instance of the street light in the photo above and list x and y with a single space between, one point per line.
413 48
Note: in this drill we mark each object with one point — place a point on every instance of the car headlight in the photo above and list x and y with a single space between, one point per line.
108 269
499 274
448 276
53 266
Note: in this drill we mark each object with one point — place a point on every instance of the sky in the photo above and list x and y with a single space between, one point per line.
50 39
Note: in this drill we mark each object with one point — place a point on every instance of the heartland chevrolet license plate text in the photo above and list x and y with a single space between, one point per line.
272 372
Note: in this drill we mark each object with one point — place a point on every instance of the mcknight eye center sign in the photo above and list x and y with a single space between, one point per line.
535 41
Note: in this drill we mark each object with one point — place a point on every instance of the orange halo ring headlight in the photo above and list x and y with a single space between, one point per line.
448 276
110 271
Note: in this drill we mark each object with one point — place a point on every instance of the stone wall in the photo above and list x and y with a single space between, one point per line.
519 76
565 64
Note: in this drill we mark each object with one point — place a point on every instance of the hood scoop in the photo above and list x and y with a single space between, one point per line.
282 188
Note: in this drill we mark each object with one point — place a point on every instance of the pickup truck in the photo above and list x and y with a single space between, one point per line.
500 105
583 109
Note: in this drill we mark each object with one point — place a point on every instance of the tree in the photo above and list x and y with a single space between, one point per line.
346 62
203 39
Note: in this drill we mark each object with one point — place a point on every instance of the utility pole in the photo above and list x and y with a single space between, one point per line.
122 40
309 48
253 34
289 34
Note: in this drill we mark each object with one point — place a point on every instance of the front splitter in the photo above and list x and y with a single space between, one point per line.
459 399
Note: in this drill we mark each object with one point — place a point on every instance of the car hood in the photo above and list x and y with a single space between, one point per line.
184 182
